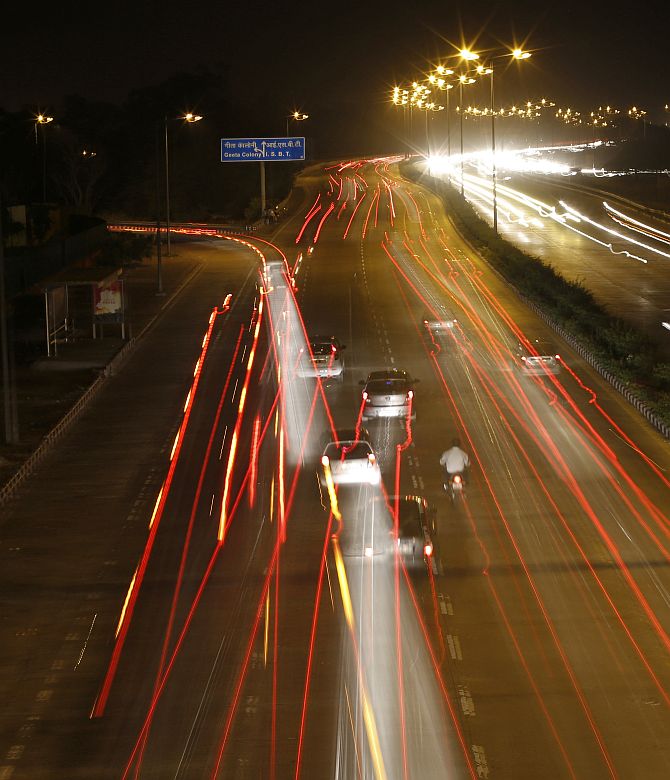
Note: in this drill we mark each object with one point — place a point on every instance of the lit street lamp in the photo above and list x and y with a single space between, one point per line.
296 116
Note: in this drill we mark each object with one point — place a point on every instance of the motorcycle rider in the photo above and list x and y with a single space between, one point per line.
455 460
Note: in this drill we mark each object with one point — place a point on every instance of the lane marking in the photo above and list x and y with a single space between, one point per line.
467 702
454 648
83 649
480 761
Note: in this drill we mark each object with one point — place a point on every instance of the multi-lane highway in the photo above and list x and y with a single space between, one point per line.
272 631
618 249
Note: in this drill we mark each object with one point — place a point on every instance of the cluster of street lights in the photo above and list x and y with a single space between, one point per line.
603 116
443 79
529 110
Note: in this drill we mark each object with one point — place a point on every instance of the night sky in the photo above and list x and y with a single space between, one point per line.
338 58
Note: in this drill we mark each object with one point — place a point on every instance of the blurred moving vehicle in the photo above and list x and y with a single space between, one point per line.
388 393
454 485
415 523
276 274
539 358
438 326
326 359
345 434
350 463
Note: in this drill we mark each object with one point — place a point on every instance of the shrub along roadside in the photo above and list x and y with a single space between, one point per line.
616 346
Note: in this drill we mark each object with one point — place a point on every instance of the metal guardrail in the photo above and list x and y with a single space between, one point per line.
10 487
185 228
616 383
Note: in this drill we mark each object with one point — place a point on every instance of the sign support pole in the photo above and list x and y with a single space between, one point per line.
262 164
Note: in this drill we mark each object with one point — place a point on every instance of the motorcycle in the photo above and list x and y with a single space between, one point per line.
454 485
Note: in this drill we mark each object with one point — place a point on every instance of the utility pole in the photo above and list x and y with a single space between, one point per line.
8 392
263 201
159 259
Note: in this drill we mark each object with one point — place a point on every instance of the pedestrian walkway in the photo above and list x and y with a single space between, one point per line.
71 539
50 386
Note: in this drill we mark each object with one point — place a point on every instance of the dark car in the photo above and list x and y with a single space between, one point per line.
414 542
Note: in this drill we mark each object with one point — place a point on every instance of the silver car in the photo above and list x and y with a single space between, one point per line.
326 360
541 358
388 393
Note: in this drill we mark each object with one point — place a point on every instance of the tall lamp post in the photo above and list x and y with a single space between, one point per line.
438 79
487 70
295 116
43 119
190 118
462 79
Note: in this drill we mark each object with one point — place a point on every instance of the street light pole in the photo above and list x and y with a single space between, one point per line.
159 251
448 125
493 156
516 54
43 119
8 394
167 189
191 119
460 109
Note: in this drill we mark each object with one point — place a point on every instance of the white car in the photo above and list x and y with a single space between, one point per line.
325 361
438 326
350 463
539 359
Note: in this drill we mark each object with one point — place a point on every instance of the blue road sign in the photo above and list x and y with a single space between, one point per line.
262 149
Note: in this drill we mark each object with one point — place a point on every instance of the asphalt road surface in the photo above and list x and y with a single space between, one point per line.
619 250
271 630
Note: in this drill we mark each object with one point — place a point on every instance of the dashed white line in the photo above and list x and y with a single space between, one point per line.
454 647
467 703
480 761
223 442
83 649
446 607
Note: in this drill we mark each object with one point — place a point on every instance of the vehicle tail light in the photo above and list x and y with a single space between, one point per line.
458 479
428 550
365 396
410 395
